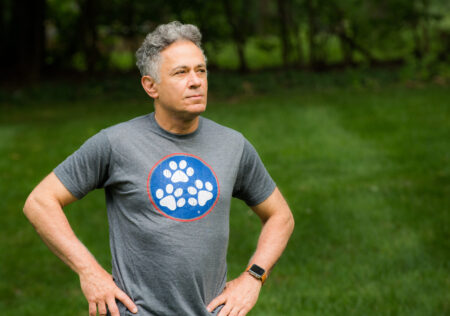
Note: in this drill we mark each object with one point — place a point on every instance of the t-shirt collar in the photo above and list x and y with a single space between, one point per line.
156 127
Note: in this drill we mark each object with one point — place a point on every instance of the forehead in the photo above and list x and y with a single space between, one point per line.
182 53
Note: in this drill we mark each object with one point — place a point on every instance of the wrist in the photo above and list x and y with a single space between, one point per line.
257 272
247 277
89 269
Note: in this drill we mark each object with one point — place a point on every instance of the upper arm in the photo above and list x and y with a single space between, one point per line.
52 189
253 183
274 205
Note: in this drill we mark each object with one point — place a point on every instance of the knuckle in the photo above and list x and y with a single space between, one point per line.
95 298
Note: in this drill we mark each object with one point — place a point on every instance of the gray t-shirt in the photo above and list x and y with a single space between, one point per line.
168 200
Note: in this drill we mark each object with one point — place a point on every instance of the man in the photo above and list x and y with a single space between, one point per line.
168 177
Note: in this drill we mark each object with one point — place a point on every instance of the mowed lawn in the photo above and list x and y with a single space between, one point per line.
366 171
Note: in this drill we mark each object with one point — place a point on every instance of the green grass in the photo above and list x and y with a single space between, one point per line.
364 165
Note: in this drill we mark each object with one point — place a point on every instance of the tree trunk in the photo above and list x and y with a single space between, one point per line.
89 34
425 27
418 47
284 31
4 39
312 32
349 44
297 40
346 49
24 37
347 52
238 33
353 45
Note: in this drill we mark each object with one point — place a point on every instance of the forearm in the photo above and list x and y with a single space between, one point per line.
272 242
50 222
276 231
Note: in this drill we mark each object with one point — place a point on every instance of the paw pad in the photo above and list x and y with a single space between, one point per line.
177 173
203 196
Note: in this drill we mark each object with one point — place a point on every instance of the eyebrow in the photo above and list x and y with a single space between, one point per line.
185 66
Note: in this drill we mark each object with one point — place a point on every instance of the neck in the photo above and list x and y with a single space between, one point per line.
176 125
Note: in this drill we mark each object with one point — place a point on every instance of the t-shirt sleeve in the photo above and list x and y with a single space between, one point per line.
87 168
253 183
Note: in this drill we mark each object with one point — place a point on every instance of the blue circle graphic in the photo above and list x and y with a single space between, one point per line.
183 187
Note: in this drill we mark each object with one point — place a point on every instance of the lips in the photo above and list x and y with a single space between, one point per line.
195 96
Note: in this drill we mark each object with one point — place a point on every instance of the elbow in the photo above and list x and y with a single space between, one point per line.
29 205
290 223
33 206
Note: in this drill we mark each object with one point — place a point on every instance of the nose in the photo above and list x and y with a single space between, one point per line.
194 80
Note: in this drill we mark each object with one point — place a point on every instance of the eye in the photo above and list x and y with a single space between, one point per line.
180 72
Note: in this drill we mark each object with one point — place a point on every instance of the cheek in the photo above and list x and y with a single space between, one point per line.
178 88
172 91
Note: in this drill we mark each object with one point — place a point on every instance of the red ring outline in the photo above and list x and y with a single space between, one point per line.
174 218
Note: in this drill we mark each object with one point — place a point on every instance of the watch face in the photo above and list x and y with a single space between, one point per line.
258 270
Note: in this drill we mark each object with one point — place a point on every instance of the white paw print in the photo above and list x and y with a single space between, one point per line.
182 190
204 194
178 172
170 201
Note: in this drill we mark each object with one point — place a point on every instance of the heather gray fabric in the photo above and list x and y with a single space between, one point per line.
168 201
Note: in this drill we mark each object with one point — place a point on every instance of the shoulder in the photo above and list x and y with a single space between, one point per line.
126 130
224 132
122 134
135 124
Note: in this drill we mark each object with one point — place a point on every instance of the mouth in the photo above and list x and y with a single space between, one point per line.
195 96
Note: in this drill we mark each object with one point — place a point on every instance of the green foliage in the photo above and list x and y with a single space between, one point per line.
89 36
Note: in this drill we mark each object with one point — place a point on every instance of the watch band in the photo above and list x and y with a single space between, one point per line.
255 271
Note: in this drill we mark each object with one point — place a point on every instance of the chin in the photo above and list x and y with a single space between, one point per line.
196 109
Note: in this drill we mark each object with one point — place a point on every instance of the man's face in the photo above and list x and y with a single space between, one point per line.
183 87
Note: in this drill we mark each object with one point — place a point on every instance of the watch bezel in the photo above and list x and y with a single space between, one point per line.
256 271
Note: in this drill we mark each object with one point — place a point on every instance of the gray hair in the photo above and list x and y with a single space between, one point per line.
148 55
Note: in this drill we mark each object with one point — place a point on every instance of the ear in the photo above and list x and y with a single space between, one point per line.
149 85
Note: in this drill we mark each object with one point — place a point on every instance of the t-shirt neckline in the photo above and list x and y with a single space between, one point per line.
162 131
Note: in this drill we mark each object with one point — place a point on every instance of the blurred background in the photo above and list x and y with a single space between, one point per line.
347 103
42 37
